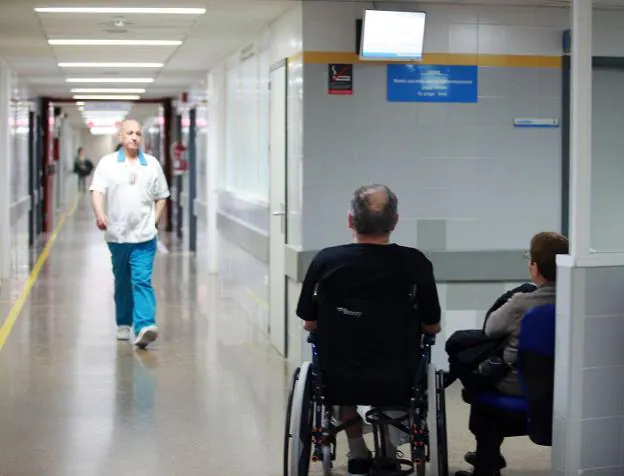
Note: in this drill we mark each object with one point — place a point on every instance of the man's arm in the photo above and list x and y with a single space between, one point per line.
97 201
428 303
160 192
99 185
306 307
160 208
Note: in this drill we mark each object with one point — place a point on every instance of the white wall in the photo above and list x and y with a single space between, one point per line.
237 157
14 162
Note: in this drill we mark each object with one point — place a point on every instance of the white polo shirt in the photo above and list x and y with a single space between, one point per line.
131 189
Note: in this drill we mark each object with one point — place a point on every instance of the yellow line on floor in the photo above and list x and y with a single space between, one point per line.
255 297
15 311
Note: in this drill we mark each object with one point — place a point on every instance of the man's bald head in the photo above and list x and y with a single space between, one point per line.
130 135
374 210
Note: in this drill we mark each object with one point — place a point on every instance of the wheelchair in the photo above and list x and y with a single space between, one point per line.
404 397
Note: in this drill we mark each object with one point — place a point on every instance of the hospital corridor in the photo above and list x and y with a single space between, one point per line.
311 238
208 398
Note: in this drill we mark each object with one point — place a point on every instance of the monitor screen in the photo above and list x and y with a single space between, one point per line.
390 35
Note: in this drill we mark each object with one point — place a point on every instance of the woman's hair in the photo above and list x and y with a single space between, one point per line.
544 249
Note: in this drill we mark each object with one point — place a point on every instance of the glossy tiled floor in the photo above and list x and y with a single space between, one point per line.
207 399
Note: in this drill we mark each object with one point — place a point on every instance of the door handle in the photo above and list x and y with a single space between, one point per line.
278 214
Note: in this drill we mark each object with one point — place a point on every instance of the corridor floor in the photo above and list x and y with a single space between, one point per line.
207 399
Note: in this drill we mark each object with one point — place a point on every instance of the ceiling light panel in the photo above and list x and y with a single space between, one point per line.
110 80
123 11
108 91
110 65
107 42
100 97
103 131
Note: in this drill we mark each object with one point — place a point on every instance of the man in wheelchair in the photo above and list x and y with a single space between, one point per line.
367 303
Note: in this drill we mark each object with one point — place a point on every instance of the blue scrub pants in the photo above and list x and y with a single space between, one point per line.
135 301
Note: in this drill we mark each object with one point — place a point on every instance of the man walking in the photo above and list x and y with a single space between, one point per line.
129 196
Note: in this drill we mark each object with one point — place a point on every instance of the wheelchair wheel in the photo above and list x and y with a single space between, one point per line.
442 437
286 456
299 420
327 460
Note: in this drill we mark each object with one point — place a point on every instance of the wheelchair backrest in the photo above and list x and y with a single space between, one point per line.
536 368
368 345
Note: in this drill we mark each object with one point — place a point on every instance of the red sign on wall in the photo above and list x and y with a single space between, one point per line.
340 79
180 163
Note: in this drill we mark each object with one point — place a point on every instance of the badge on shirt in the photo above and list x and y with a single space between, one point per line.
133 178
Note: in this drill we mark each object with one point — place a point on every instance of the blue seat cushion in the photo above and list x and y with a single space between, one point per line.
501 401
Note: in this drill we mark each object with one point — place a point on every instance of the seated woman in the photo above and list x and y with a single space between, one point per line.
505 322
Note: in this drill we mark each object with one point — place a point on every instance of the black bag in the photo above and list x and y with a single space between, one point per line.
475 358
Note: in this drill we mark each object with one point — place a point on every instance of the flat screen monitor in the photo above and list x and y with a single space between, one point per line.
392 36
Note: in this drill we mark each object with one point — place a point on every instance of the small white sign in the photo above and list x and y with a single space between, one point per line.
536 122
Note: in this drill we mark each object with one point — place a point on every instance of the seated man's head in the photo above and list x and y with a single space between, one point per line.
545 247
373 214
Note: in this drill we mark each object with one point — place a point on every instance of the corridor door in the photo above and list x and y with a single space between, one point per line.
192 180
277 200
33 182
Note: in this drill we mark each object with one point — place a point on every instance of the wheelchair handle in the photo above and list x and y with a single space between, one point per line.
428 339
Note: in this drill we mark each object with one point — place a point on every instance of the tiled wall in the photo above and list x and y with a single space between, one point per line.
486 29
446 162
589 394
466 29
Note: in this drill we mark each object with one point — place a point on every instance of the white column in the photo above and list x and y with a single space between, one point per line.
580 130
5 172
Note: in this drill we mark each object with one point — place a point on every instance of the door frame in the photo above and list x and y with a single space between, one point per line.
283 279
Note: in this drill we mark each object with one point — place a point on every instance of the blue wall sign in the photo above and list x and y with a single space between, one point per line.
430 83
547 122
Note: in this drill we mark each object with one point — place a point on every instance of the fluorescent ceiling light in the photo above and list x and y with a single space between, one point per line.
68 42
110 65
117 10
104 122
109 80
80 103
101 131
117 117
108 90
106 112
97 97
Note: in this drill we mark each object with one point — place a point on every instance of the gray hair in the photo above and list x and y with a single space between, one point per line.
370 221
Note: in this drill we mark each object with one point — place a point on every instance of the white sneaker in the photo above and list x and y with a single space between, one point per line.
148 334
123 332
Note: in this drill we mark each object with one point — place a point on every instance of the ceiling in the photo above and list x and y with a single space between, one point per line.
205 40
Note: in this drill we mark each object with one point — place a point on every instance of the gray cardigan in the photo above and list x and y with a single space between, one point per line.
505 321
